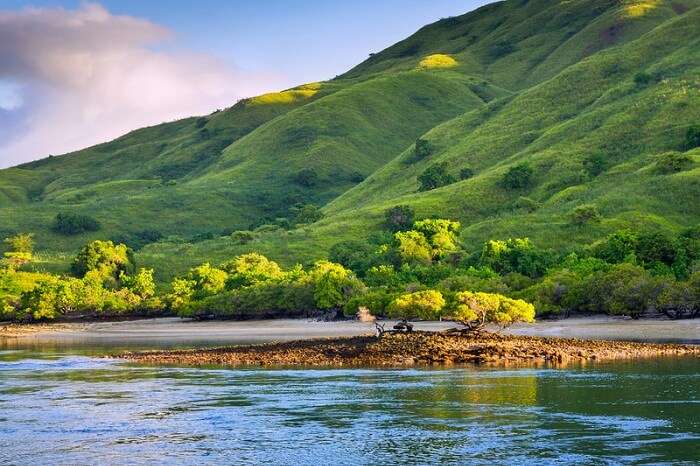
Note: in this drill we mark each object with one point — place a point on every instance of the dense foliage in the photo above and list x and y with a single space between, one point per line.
420 272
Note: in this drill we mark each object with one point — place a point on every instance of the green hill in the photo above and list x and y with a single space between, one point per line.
594 97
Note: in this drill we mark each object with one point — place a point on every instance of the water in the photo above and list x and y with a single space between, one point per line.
70 407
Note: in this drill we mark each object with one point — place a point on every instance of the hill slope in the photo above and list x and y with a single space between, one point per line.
592 95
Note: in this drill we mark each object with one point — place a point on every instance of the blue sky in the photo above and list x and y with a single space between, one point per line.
75 73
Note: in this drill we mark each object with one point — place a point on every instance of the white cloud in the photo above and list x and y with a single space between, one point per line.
87 76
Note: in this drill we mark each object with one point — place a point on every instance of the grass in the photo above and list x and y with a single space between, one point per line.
549 84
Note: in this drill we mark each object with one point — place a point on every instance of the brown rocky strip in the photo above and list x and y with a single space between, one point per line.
418 348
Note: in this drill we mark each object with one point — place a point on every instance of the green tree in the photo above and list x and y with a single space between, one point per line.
333 285
435 176
692 137
475 310
70 224
108 259
399 218
413 247
425 305
466 173
422 149
141 283
307 177
250 269
307 214
20 250
518 177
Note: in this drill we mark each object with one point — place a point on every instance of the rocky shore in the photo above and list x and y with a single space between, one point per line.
417 348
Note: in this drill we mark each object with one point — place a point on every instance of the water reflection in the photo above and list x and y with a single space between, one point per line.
78 409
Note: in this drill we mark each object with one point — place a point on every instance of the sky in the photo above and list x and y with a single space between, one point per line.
76 73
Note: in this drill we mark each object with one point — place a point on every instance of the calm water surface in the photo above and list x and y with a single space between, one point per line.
63 406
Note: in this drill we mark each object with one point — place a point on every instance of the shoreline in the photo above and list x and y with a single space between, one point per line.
418 348
163 332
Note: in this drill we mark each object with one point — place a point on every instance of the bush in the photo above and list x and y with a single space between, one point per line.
73 224
435 176
516 255
692 138
377 301
422 149
518 177
595 164
307 177
673 162
358 256
307 214
426 305
501 49
466 173
585 214
399 218
242 237
643 79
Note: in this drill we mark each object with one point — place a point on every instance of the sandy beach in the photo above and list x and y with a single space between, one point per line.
177 332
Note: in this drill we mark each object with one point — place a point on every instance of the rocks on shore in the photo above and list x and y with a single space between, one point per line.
417 348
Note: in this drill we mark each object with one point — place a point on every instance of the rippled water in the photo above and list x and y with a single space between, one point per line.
72 409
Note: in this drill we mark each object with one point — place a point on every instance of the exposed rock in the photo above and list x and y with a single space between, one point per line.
417 348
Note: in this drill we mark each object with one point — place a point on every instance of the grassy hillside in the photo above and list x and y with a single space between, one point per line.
595 97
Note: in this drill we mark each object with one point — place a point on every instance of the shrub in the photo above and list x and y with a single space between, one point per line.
642 79
307 214
585 214
518 177
475 310
441 235
501 49
307 177
673 162
692 138
435 176
595 164
422 149
70 224
466 173
399 218
426 305
242 237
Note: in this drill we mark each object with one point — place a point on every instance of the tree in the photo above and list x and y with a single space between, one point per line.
141 283
413 247
595 164
333 285
692 137
249 269
466 173
355 255
307 214
435 176
515 255
422 149
426 305
206 280
441 235
70 224
307 177
475 310
518 177
617 247
585 214
399 218
105 257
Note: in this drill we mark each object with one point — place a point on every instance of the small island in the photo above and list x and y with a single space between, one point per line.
417 348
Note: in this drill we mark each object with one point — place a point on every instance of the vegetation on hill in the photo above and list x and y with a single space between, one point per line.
563 122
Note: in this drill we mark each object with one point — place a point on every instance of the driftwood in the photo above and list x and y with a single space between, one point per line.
402 327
